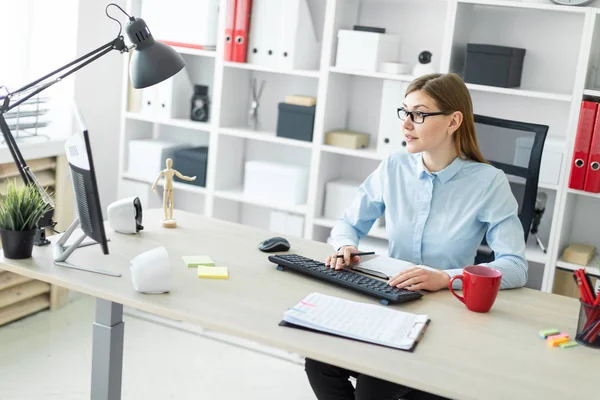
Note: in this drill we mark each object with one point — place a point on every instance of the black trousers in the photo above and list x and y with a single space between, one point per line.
331 383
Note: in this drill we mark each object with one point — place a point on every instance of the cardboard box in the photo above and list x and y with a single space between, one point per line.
347 139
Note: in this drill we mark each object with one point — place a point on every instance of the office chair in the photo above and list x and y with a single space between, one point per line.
516 148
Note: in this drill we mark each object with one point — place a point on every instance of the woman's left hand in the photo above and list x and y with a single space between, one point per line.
417 278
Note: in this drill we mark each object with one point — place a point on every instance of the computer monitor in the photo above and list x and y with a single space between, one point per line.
85 188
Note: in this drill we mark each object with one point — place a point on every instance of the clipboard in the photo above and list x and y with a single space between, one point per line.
412 348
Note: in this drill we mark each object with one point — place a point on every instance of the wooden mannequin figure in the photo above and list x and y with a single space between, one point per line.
169 221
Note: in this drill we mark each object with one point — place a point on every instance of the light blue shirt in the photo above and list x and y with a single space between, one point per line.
439 219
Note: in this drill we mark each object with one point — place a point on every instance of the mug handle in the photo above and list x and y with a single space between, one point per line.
461 298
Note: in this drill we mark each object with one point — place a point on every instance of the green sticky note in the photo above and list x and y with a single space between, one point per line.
194 261
568 344
544 334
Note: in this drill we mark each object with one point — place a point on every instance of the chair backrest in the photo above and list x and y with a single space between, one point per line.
516 148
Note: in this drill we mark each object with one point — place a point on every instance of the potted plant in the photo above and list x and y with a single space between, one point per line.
20 211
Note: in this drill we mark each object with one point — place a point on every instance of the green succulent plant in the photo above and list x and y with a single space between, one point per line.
22 207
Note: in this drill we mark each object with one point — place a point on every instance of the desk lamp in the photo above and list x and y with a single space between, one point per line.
152 62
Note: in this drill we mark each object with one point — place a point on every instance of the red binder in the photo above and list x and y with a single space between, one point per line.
585 129
592 175
229 28
241 29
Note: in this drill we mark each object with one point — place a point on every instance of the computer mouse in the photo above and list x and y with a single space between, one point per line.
274 244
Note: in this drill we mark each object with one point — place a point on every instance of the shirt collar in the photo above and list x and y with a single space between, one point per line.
444 175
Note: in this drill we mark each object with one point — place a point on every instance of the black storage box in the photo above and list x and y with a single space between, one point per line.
296 122
192 162
493 65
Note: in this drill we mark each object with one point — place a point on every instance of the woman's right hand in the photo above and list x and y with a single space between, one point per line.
343 262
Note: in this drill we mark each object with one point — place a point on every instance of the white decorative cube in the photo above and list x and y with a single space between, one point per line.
360 50
146 158
275 183
339 195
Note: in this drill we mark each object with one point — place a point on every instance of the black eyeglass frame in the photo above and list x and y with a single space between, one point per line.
424 114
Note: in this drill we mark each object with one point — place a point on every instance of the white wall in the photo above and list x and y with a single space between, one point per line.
43 39
98 91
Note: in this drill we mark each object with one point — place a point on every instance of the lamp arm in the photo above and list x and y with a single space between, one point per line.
26 174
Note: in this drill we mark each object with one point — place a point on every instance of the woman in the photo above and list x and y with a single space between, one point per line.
440 200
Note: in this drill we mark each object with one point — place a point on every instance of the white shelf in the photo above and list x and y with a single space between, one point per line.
195 52
237 194
362 153
591 268
184 187
592 92
521 92
264 137
584 193
178 122
252 67
379 75
526 4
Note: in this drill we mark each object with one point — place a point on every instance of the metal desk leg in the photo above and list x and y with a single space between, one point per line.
107 351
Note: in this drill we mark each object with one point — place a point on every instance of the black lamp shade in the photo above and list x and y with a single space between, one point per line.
151 62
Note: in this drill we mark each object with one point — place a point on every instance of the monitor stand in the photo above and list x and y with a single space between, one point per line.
62 252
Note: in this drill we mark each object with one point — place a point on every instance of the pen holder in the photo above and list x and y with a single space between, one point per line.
588 326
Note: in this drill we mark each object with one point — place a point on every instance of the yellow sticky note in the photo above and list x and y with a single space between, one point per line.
212 272
194 261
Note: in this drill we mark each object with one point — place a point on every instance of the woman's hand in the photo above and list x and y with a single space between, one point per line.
417 278
343 262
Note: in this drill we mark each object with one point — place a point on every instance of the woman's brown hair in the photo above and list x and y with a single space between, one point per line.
451 94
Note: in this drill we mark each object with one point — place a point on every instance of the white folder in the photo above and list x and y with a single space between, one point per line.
390 138
174 96
285 29
298 47
148 102
263 35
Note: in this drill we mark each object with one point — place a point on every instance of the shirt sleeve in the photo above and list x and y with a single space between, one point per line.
505 234
366 207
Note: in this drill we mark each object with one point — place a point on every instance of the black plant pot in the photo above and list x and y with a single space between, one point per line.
17 244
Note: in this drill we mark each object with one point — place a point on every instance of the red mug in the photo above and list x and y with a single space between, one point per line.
480 287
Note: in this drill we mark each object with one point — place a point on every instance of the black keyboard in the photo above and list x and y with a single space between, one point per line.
346 278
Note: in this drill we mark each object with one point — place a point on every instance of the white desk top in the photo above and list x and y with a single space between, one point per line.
463 355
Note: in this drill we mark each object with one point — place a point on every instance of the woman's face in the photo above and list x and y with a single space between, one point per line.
434 134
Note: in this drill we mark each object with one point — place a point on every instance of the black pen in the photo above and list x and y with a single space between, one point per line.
366 253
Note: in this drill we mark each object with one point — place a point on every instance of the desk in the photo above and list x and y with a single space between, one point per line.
463 355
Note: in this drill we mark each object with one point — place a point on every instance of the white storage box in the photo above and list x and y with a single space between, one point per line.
286 223
339 195
147 157
552 157
275 183
360 50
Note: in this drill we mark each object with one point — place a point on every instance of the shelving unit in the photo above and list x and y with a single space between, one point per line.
552 87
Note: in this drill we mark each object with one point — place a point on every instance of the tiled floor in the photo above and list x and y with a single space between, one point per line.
48 355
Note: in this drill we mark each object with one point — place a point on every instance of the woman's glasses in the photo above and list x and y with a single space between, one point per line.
418 117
